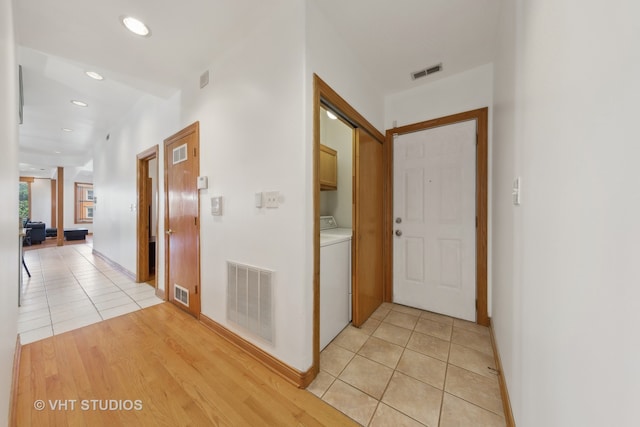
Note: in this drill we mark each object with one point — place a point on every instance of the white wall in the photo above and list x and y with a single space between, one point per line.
339 203
252 139
149 122
41 201
469 90
9 213
331 59
576 237
506 242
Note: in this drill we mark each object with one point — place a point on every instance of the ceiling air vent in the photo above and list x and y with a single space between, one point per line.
426 72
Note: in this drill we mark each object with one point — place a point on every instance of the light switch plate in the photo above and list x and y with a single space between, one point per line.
516 193
216 206
272 199
258 200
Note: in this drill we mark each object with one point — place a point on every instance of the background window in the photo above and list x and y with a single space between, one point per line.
84 202
24 198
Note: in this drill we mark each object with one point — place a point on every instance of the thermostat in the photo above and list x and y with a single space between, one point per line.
203 183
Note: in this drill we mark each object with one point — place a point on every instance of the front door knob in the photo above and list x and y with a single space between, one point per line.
398 233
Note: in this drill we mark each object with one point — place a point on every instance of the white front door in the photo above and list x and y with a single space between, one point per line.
434 251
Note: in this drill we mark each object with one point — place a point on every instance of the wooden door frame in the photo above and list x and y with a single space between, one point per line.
482 118
192 128
324 94
142 239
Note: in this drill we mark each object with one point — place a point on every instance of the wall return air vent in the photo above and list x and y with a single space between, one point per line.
250 299
181 294
180 154
427 71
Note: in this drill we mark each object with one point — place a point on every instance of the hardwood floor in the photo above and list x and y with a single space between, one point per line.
165 361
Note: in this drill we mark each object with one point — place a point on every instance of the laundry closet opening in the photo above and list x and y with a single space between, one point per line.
336 224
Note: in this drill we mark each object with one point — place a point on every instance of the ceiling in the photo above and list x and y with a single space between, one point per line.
59 41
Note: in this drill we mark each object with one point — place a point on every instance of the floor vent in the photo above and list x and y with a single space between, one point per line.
249 299
181 294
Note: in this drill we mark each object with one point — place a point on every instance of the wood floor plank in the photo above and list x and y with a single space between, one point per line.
182 372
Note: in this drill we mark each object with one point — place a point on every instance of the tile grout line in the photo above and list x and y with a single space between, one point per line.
46 295
108 278
396 369
404 348
69 265
46 292
66 264
446 371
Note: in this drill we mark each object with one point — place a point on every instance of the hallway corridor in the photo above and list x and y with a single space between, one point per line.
70 288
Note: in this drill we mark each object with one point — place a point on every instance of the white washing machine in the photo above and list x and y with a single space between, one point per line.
335 279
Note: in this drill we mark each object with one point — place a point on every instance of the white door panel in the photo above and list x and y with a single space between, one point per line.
434 197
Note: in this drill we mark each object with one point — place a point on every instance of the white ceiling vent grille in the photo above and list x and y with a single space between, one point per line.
180 154
181 294
426 72
249 299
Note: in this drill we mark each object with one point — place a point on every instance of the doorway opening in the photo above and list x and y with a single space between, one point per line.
336 223
147 219
368 174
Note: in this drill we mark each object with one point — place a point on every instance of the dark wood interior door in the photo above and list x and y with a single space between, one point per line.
368 214
182 224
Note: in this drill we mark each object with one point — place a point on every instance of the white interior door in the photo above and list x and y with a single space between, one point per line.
434 247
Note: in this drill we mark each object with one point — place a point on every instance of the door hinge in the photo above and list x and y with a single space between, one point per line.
476 221
195 221
476 305
194 152
196 289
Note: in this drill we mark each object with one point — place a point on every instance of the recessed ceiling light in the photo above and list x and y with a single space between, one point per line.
57 152
135 26
67 130
94 75
331 115
79 103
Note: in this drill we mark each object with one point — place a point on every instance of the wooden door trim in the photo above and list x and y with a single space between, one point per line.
60 206
482 117
195 129
142 238
324 94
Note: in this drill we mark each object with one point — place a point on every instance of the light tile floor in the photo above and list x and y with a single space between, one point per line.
70 288
408 367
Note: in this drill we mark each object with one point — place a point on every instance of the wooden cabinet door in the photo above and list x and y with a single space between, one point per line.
328 168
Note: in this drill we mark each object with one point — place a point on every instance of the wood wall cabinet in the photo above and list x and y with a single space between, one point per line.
328 168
